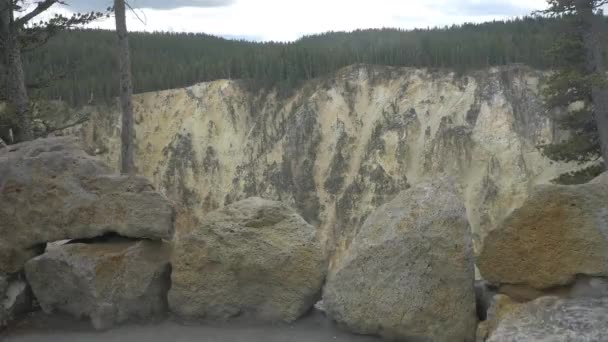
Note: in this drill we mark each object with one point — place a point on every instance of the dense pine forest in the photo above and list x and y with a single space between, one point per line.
87 65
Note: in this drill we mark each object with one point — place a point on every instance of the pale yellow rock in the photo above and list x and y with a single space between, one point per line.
341 147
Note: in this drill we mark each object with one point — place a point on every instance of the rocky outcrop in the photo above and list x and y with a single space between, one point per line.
409 273
254 258
51 190
559 233
341 147
547 319
109 283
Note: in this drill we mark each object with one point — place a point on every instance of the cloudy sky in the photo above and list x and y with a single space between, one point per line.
285 20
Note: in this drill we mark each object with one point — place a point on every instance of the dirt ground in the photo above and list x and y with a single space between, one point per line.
43 328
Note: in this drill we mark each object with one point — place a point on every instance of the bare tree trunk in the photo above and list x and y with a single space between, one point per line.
127 164
16 89
593 27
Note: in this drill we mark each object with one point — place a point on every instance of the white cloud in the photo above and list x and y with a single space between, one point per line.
286 20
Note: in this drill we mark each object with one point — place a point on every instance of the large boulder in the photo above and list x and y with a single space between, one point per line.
409 273
254 258
111 282
547 319
51 190
559 233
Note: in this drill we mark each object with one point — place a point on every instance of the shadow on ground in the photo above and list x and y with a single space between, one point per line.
44 328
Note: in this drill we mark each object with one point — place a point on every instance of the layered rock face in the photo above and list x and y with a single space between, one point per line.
109 283
560 233
254 258
409 274
51 190
339 148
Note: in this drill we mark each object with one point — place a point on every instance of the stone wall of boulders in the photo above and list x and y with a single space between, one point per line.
113 266
91 244
79 240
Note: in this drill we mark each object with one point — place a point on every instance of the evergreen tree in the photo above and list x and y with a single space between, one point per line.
580 79
172 60
18 32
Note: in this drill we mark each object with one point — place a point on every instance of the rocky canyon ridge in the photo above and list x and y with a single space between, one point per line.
339 147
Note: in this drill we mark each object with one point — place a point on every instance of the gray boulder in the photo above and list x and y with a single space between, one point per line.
111 282
409 273
254 258
548 319
51 190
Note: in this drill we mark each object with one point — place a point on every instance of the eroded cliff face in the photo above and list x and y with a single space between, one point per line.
341 147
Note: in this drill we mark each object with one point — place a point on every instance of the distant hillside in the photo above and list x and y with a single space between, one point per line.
169 60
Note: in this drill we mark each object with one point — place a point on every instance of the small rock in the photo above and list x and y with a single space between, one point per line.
15 298
320 306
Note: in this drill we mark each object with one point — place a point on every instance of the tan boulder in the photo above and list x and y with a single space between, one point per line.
560 232
108 282
409 273
254 258
51 190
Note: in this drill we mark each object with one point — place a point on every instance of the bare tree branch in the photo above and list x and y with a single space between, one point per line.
136 15
42 6
80 120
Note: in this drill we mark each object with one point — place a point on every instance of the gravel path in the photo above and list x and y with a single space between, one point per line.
42 328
